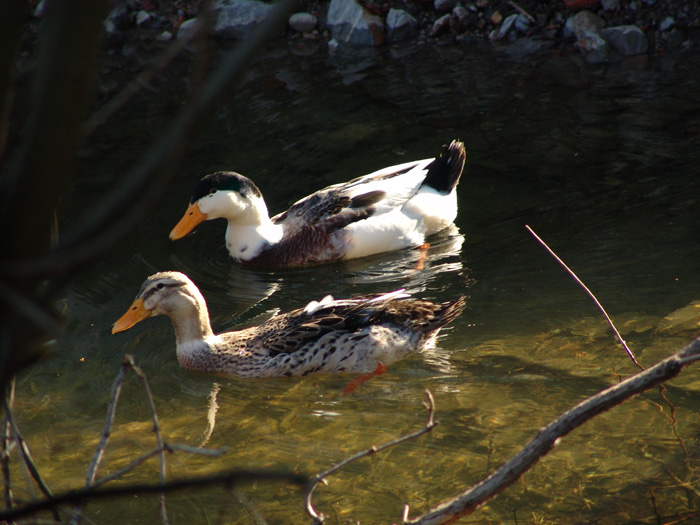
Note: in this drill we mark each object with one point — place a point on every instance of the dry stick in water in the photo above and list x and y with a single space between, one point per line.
27 456
168 447
590 294
469 500
7 446
104 437
156 429
127 364
222 479
159 450
320 478
662 390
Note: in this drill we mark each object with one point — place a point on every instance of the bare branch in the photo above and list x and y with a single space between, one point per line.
156 429
662 390
590 294
160 449
26 455
125 207
319 478
466 502
109 420
7 445
80 496
155 452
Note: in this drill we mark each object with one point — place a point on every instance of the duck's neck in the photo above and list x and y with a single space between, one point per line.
191 321
246 241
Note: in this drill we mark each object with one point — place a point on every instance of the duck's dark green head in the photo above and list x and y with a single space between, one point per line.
224 194
225 181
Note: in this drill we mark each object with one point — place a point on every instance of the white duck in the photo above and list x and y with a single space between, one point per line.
393 208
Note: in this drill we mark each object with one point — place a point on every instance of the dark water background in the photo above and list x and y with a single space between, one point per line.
602 163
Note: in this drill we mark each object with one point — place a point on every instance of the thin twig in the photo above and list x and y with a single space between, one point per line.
156 429
80 496
429 425
104 436
109 421
27 457
524 13
656 508
590 294
7 445
154 452
160 449
662 388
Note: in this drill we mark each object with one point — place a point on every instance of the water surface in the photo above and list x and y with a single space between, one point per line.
602 163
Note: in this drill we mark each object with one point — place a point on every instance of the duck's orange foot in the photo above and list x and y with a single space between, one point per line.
362 378
422 255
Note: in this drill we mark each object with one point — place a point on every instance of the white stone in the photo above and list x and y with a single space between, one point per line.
441 24
666 23
628 40
522 23
186 29
400 25
303 22
587 28
506 26
239 18
142 17
349 22
444 5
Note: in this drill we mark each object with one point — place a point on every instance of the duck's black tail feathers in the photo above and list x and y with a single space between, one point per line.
444 172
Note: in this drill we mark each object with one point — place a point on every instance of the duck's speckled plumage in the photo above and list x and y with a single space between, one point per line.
348 335
387 210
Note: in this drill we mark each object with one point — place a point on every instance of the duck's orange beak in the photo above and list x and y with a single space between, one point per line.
192 217
135 314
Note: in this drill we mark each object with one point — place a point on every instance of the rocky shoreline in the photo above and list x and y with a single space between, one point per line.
601 30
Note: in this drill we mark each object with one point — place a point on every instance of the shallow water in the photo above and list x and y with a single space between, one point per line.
601 163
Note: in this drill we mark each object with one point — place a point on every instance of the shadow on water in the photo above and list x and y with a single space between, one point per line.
600 162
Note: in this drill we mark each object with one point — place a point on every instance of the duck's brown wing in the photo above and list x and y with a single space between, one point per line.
329 210
290 332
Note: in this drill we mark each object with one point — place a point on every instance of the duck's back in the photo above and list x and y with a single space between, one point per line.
339 336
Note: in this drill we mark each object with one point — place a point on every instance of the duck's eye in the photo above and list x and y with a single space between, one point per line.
213 191
160 286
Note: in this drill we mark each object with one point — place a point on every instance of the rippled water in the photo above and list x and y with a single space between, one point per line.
602 163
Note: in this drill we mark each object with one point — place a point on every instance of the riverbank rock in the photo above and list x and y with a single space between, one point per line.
303 22
239 18
400 26
587 27
628 40
350 23
662 26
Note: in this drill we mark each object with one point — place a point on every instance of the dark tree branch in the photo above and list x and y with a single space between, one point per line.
81 496
123 209
7 446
